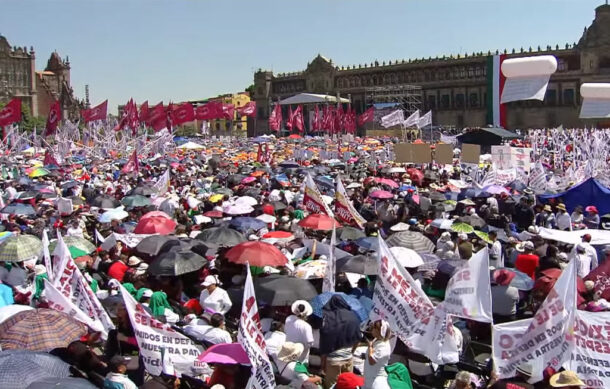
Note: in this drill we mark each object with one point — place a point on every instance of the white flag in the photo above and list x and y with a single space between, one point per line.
162 184
425 120
250 335
412 120
61 303
468 293
328 284
47 255
393 119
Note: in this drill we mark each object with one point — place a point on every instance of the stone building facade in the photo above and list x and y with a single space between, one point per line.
456 88
36 89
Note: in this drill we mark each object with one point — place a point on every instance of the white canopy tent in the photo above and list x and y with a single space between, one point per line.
191 146
311 98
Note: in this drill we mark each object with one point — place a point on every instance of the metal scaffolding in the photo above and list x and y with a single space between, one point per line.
408 96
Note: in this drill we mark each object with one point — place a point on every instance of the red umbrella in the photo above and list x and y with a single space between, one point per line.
278 235
155 214
215 214
256 254
319 221
155 225
381 194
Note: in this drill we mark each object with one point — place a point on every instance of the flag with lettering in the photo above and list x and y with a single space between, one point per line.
228 111
250 336
425 120
289 122
315 124
344 209
99 112
249 109
182 113
162 184
143 114
275 118
412 120
394 118
11 113
312 199
53 119
209 111
157 118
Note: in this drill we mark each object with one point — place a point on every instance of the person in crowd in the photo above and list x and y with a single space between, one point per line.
591 220
583 260
117 379
564 221
496 258
462 380
577 216
160 308
504 297
566 379
291 369
298 330
464 246
527 262
377 356
519 381
213 298
212 333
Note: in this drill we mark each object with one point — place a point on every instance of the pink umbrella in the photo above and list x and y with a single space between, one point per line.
381 194
387 181
248 180
155 214
226 353
155 225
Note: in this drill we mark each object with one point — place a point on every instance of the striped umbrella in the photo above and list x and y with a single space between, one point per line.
412 240
20 248
462 227
40 330
76 242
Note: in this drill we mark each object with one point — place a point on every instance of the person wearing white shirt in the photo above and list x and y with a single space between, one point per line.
563 220
213 333
377 357
213 297
583 261
589 251
297 330
75 230
495 251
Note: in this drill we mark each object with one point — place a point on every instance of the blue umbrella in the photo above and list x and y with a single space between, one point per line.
468 193
18 209
521 281
318 302
244 224
370 243
405 187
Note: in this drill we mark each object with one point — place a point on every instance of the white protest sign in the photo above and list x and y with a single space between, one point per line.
59 302
251 337
548 340
64 206
507 336
70 282
590 356
410 313
155 338
501 156
503 177
520 158
468 293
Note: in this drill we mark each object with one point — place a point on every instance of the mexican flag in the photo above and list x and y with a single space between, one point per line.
496 112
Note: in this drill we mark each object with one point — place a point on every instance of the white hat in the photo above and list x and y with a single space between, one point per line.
209 280
463 236
134 261
147 293
290 352
39 269
301 308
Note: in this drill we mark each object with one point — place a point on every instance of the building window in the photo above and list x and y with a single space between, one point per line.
477 72
470 73
568 96
551 97
445 102
474 100
459 100
562 65
431 102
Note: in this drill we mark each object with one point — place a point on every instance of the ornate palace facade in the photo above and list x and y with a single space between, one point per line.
36 89
455 88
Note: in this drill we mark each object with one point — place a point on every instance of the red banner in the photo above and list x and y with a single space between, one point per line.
182 113
315 125
366 116
11 113
275 118
297 119
132 165
143 115
49 159
209 111
98 112
228 111
53 119
157 118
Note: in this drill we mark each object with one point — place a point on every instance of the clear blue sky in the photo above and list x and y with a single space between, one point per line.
192 49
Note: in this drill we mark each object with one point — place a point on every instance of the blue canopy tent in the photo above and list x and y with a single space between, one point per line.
590 192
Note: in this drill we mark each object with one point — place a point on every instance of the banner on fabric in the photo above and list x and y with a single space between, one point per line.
312 199
410 313
394 118
250 335
61 303
527 78
130 239
547 341
590 357
504 177
70 282
344 209
162 184
520 158
328 283
155 338
501 157
506 336
468 293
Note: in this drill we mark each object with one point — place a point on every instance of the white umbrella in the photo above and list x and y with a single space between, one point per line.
246 200
327 199
113 214
397 169
406 257
237 209
400 227
267 218
354 185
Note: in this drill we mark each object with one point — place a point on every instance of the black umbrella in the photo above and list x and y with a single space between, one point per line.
222 236
184 244
64 383
69 184
104 201
175 263
152 245
437 196
252 192
235 179
278 205
224 191
19 209
142 190
277 290
360 264
349 233
289 164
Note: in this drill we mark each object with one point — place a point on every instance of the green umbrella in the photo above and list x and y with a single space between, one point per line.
135 201
483 235
20 248
462 227
74 241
